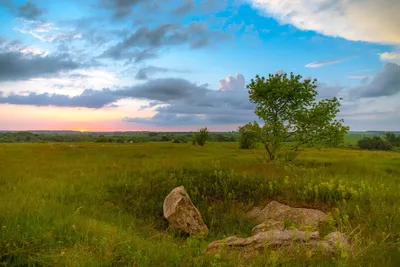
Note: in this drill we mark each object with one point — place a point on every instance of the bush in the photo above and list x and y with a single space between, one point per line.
247 139
164 138
202 136
179 140
194 140
374 143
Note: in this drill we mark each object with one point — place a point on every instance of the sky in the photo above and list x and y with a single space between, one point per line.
168 65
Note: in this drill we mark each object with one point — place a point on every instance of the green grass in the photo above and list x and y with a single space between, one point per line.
101 204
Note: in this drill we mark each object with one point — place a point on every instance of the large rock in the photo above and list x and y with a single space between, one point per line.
275 239
267 226
182 214
272 238
334 242
301 217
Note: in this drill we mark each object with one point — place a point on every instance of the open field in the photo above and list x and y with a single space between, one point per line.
101 204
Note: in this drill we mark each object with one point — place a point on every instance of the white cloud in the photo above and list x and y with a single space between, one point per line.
232 83
318 64
357 76
45 31
390 56
357 20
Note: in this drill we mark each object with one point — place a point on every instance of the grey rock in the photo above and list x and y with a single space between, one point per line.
182 215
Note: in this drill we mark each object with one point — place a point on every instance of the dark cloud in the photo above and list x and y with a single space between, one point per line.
176 101
30 11
208 6
18 66
121 8
89 98
196 34
384 83
189 104
130 55
328 91
143 73
184 8
166 90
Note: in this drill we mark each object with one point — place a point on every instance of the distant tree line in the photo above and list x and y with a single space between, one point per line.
29 137
388 142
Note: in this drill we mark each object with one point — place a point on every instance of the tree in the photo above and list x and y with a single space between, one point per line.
287 104
201 136
247 138
374 143
393 139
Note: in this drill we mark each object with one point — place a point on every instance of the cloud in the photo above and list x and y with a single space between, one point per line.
384 83
121 8
89 98
172 99
390 57
195 34
232 83
196 105
208 6
329 91
184 8
30 11
17 66
358 77
46 31
318 64
144 73
376 21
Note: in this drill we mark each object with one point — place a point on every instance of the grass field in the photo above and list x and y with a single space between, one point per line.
101 204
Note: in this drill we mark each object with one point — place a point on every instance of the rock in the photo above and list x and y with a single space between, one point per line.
268 225
272 238
335 242
182 215
301 217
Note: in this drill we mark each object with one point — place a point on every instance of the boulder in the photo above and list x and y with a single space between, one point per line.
275 239
268 225
301 217
182 215
271 238
334 242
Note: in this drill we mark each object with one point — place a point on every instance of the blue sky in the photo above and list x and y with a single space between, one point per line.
181 65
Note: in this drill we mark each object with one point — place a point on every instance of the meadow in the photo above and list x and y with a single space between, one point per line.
100 204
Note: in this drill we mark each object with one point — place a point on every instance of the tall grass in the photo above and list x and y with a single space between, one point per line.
101 205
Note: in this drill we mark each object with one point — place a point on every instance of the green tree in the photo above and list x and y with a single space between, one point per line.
287 104
201 136
247 138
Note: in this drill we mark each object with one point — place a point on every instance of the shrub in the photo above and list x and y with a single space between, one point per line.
194 140
247 139
164 138
179 140
374 143
202 136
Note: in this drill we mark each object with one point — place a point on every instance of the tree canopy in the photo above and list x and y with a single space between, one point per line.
288 107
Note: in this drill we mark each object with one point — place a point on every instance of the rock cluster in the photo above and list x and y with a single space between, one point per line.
270 233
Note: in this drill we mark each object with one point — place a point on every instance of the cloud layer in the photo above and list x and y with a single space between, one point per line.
384 83
178 101
367 20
